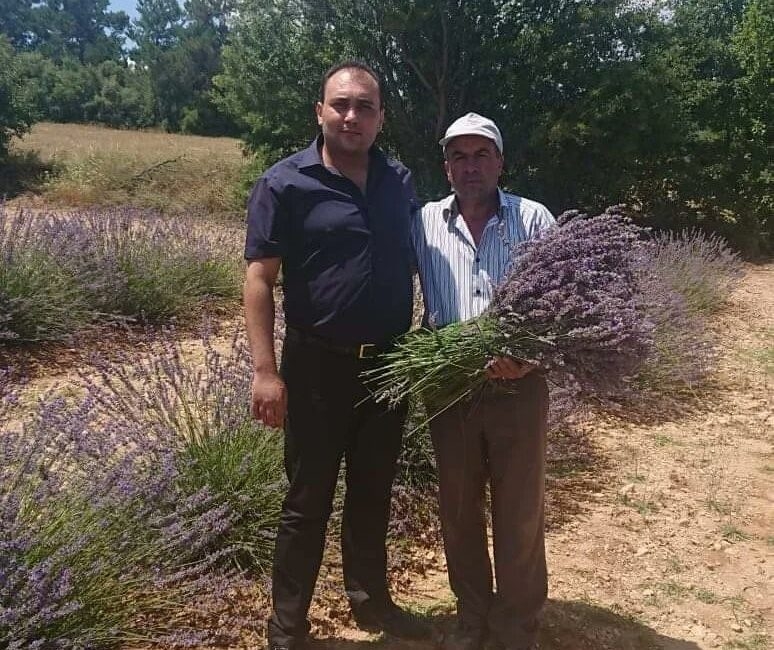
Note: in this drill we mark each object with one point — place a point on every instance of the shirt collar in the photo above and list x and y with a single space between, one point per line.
312 155
451 211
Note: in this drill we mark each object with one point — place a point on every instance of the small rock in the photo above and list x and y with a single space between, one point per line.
736 627
747 622
647 593
717 546
641 551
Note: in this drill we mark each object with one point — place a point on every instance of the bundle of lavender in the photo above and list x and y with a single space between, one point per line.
569 304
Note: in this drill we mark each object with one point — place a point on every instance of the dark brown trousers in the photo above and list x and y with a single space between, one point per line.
499 437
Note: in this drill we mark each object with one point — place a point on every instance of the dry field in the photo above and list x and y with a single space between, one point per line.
100 165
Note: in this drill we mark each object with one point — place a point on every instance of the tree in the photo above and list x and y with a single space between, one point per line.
15 110
753 44
718 178
182 54
16 21
554 75
83 29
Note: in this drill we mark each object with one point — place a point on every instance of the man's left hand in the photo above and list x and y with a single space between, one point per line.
508 368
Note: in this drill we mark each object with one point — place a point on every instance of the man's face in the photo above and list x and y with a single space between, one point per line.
473 166
350 114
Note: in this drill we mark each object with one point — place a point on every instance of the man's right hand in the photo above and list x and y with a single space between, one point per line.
269 398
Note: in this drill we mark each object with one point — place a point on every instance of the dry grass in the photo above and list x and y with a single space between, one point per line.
99 165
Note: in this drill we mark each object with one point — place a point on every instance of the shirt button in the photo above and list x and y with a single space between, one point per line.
478 260
478 292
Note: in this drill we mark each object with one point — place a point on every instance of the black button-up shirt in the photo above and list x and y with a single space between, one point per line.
346 258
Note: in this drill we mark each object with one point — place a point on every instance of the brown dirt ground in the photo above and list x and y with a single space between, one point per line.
660 530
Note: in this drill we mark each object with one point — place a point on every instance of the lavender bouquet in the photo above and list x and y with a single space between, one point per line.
569 304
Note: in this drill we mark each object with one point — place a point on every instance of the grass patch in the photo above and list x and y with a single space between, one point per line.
643 506
97 165
674 590
733 534
706 596
754 642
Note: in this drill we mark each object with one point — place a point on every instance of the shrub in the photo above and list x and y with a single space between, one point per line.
702 268
684 278
223 450
59 273
117 510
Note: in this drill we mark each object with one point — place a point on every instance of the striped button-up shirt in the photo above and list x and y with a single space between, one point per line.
458 277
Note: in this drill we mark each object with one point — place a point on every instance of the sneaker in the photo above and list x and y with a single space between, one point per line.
391 620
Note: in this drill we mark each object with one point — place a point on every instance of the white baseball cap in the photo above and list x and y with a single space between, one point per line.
473 124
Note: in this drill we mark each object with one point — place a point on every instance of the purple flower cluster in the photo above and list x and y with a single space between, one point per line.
120 507
570 303
61 272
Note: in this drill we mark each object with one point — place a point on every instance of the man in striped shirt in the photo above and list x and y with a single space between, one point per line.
463 246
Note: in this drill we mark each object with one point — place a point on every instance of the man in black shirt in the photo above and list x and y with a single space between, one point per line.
335 216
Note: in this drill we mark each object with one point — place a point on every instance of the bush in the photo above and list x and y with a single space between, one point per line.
118 510
58 273
684 279
15 109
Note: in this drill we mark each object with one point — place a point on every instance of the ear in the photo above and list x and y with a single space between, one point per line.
318 107
447 169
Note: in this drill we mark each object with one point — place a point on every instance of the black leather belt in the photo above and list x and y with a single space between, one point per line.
358 351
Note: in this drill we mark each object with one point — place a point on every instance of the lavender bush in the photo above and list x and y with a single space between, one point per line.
118 509
700 267
683 279
568 303
59 273
204 405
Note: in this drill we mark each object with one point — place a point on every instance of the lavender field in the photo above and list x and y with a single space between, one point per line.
139 495
138 500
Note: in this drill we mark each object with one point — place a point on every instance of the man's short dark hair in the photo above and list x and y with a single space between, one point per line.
352 64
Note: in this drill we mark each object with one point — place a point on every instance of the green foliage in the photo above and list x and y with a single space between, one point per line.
82 29
243 468
108 92
57 275
15 109
416 463
39 298
271 69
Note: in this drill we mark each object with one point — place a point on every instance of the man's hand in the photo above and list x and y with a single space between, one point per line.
508 368
269 398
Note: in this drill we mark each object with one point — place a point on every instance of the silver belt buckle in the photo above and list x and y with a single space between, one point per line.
364 347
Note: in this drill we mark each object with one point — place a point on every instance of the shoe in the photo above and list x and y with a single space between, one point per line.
391 620
464 638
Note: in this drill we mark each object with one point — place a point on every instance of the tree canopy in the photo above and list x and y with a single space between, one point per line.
663 105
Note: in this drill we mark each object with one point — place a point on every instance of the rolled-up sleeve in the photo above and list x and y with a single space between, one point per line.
266 221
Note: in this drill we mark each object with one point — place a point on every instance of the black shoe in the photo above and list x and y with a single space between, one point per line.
391 620
464 638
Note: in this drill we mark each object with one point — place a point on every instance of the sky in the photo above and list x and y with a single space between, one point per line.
128 6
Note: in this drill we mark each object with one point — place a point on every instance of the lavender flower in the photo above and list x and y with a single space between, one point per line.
569 303
121 507
59 273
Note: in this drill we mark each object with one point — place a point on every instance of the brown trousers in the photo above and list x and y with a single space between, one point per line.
498 436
